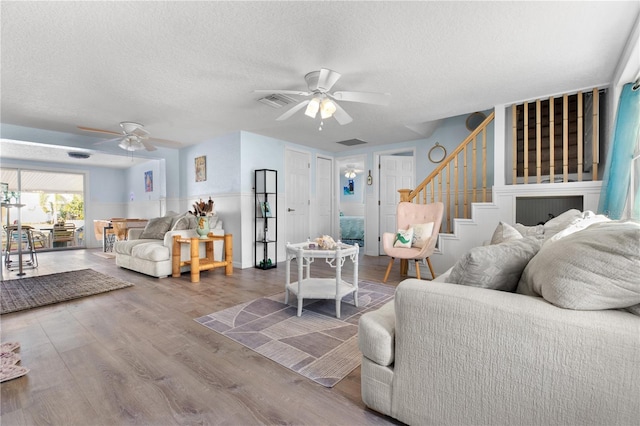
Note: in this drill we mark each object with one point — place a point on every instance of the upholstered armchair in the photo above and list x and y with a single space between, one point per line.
410 215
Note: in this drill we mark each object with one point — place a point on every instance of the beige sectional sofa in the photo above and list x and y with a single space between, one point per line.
153 256
563 349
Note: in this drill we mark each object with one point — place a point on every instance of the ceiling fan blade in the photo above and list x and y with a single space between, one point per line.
327 79
109 140
166 143
293 110
147 145
284 92
364 97
90 129
341 116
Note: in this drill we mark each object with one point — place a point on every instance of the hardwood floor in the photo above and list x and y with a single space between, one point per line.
136 356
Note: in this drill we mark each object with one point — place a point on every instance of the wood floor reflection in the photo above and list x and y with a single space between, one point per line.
137 356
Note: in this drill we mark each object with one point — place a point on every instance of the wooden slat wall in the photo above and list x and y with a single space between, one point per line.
547 122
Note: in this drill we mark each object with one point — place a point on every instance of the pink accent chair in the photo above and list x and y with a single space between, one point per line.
409 214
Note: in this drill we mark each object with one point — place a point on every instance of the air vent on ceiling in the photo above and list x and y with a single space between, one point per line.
76 154
277 100
351 142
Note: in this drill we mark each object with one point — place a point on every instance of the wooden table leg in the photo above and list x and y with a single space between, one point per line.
195 260
175 257
228 254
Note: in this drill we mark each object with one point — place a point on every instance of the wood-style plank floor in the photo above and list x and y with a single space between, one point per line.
136 356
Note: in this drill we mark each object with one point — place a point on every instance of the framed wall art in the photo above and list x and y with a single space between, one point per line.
201 168
148 181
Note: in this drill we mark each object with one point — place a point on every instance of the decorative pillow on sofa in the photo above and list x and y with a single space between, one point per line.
403 238
496 266
596 268
421 234
182 222
505 232
156 228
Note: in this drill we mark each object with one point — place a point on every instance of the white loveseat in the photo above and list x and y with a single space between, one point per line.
153 256
452 354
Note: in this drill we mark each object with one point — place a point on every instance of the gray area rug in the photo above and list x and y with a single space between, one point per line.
316 345
26 293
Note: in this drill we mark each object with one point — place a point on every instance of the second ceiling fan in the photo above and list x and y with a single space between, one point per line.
133 137
319 84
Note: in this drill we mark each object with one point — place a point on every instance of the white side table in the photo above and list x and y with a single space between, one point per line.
321 288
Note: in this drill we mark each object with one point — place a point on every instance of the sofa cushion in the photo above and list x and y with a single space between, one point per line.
126 246
154 251
156 228
596 268
505 232
496 266
421 234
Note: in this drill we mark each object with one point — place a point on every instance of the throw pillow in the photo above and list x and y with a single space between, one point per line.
156 228
403 238
505 232
421 234
530 231
182 222
496 266
596 268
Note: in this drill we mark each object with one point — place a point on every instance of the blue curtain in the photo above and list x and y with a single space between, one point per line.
617 175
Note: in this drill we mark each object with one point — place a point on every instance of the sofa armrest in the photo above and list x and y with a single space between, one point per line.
480 353
376 334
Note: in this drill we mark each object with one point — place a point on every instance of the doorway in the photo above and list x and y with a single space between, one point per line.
53 206
352 183
297 184
396 171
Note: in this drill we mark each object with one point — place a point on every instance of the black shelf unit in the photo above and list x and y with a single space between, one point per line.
266 220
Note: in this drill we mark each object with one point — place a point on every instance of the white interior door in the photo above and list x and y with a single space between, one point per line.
396 172
297 166
324 196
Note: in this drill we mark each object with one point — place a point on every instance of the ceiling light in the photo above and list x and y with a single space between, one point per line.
131 143
327 108
312 108
350 174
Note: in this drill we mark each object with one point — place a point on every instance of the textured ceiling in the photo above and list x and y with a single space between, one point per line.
187 70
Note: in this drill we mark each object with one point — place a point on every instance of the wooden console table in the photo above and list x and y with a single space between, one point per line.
198 263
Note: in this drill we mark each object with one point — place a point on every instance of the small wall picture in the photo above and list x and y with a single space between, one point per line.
201 168
148 181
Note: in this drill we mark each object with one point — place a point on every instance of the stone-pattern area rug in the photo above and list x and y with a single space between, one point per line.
316 345
26 293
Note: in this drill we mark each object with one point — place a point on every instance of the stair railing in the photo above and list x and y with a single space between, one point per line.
443 184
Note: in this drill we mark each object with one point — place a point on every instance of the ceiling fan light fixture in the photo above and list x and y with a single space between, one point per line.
327 108
131 144
312 108
350 174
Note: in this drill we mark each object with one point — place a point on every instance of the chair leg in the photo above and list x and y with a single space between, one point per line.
433 274
388 270
417 269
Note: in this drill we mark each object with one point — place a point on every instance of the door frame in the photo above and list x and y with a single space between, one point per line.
332 208
373 212
286 201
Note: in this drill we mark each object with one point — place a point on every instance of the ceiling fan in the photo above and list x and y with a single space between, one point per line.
133 137
319 84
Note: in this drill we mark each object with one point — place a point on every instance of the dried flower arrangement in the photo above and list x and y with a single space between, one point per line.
201 208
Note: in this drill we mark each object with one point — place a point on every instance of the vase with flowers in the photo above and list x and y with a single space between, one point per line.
203 210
